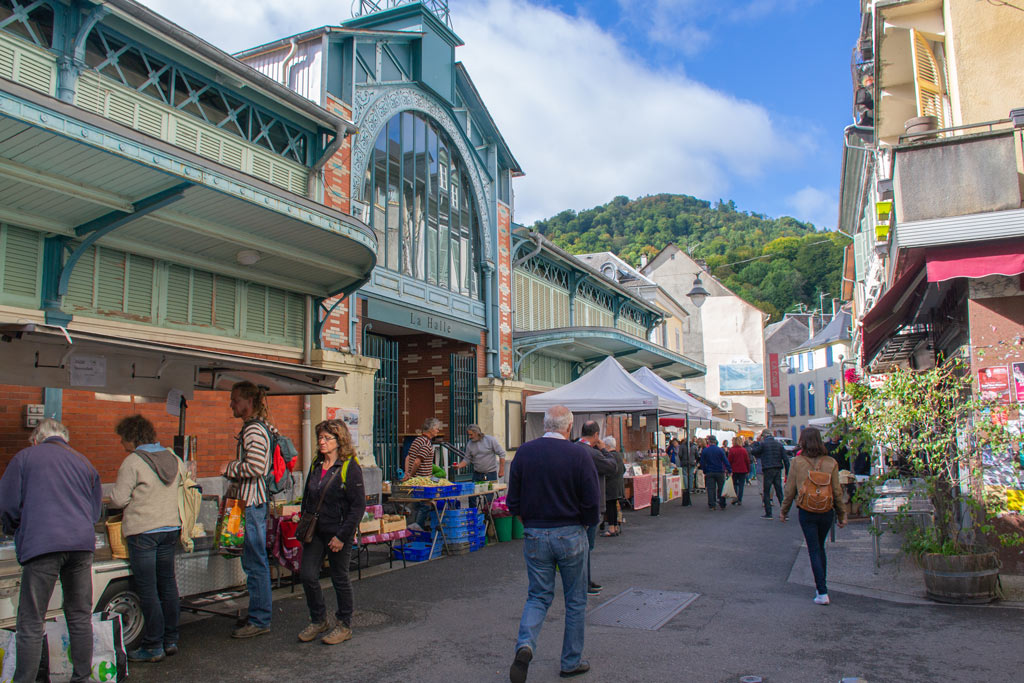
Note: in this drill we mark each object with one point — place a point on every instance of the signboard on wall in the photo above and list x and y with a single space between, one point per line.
350 416
1018 381
740 378
994 384
773 373
423 320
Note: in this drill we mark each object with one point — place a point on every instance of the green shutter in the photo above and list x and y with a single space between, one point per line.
139 296
256 310
110 283
224 303
276 311
81 285
21 262
202 298
178 280
296 318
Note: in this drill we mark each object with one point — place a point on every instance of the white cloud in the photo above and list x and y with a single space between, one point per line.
584 117
815 205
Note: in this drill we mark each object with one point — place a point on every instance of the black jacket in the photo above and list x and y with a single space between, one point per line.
771 453
343 506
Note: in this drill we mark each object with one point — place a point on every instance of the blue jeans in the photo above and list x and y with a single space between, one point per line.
38 577
815 526
738 480
771 478
591 541
257 566
688 477
151 557
543 549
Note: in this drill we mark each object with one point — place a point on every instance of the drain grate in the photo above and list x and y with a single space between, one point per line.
641 608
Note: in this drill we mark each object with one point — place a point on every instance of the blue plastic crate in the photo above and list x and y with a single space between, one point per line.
461 512
416 552
466 488
463 535
461 523
426 491
450 490
420 536
476 544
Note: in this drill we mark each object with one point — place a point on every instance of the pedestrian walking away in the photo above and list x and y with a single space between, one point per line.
46 483
147 491
814 485
553 488
739 460
590 437
773 460
615 490
333 502
716 467
247 473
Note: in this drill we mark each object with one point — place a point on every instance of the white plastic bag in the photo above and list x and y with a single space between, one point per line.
8 656
109 659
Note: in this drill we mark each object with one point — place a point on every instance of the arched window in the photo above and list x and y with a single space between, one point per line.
810 402
792 432
803 399
792 400
422 206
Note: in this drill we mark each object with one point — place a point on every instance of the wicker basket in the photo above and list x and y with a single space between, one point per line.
118 547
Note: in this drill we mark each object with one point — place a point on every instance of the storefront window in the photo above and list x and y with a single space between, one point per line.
423 212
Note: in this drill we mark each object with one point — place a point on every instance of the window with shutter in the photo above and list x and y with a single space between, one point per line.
295 321
256 309
21 266
224 306
179 290
139 295
110 281
202 298
927 79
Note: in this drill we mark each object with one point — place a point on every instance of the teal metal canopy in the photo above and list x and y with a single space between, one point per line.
71 173
590 345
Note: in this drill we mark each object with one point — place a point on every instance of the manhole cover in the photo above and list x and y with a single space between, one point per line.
641 608
363 619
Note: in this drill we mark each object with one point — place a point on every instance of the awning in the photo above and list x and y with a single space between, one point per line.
891 312
976 260
591 345
49 356
68 172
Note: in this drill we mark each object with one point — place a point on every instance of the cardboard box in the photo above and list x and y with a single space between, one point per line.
386 527
289 510
371 527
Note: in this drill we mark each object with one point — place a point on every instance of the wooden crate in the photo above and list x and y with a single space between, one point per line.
386 527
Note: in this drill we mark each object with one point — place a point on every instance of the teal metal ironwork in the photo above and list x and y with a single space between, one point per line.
385 402
32 21
462 399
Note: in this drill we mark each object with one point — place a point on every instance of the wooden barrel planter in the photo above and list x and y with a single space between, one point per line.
961 579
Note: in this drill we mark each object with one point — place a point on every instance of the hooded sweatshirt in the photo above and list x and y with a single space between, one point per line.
147 489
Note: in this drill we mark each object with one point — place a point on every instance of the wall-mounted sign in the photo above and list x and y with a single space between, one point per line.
87 371
425 321
994 384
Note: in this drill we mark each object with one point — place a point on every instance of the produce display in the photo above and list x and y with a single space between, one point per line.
426 481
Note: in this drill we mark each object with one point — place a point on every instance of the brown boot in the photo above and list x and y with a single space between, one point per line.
313 630
339 634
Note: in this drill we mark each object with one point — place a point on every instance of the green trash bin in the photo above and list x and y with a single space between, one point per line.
517 528
503 528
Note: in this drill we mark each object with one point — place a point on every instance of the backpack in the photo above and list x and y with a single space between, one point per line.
283 456
190 496
815 494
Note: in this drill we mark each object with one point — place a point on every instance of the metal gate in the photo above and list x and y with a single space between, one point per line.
385 403
462 401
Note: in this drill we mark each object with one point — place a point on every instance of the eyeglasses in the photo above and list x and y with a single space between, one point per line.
326 437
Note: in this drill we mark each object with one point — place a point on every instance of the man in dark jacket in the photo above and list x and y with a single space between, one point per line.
50 498
715 464
553 488
772 456
590 436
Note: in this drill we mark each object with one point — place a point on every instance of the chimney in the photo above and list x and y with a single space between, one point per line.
643 261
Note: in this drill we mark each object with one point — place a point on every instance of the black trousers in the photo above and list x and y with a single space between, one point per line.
38 577
611 512
313 554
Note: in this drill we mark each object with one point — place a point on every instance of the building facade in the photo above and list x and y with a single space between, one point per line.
813 372
779 339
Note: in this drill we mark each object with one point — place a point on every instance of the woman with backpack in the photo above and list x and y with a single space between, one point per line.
333 503
814 484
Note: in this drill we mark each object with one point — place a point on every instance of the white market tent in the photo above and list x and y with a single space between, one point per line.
650 380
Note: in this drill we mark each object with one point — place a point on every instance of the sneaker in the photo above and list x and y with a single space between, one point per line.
821 599
250 631
767 516
313 630
339 634
594 588
583 668
170 649
520 665
146 655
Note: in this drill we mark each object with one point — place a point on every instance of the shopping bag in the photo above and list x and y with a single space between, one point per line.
728 491
8 656
109 659
231 527
700 479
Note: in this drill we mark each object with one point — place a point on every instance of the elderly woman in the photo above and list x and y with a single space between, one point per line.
334 491
147 490
614 490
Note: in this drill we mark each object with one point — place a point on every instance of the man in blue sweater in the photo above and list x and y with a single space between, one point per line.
716 467
50 497
553 488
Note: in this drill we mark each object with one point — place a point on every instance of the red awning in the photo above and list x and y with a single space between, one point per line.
890 312
976 260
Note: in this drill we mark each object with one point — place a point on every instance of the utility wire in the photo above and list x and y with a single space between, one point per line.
724 265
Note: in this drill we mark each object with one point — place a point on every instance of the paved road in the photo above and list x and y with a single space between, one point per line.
454 620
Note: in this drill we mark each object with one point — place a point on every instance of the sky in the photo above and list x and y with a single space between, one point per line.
741 100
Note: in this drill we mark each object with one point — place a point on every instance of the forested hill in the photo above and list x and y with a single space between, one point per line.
774 263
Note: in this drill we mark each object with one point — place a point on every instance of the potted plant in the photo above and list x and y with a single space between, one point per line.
933 433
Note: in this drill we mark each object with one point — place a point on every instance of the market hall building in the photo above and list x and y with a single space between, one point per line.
430 334
161 229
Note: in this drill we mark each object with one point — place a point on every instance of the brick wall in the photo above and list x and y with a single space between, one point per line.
425 355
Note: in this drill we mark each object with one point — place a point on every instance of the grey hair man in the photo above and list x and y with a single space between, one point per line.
485 454
47 483
553 488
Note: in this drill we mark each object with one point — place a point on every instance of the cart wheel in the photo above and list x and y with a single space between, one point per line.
121 599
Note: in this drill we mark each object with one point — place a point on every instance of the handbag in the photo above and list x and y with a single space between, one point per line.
306 528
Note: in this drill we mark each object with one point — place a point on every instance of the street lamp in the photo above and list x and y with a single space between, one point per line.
698 294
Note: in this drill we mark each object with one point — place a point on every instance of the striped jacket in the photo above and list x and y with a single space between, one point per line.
252 463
